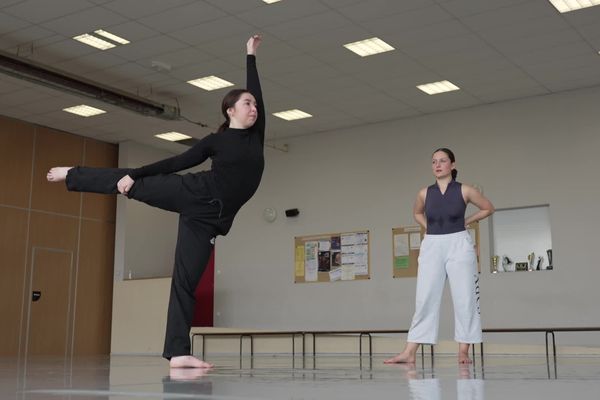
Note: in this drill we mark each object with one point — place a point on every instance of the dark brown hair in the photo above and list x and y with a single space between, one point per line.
229 101
450 155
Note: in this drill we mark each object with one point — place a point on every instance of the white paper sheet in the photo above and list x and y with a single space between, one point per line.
415 240
401 245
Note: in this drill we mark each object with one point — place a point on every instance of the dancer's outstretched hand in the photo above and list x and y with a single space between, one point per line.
253 44
124 184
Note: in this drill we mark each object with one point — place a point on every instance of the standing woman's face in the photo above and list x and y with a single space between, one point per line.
441 165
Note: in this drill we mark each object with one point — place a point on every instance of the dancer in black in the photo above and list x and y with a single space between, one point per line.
207 202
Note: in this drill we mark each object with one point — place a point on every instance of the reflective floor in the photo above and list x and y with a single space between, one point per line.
281 377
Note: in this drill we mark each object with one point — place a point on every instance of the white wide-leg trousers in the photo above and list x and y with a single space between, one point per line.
449 256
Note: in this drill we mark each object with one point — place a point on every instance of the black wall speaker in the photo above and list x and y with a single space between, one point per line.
292 212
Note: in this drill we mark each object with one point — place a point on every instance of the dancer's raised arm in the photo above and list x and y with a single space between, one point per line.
253 84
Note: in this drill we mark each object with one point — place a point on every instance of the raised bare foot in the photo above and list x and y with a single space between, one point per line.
57 174
188 362
401 358
464 359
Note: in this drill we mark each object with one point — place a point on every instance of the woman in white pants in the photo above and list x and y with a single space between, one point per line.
447 251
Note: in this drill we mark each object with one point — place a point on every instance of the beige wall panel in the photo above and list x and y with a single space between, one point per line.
16 154
49 315
60 234
13 238
93 304
52 149
100 154
53 231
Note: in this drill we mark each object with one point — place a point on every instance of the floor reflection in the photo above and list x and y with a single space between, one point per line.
281 377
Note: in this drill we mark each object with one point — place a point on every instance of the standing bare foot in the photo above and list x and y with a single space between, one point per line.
57 174
463 353
463 358
188 362
404 358
187 374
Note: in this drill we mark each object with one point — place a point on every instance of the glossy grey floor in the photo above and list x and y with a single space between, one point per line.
281 377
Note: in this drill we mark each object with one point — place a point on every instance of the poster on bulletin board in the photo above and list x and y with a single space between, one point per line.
406 244
332 257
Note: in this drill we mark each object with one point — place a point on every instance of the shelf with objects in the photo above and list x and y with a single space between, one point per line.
521 239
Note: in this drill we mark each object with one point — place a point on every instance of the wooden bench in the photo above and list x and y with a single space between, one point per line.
549 331
293 334
248 334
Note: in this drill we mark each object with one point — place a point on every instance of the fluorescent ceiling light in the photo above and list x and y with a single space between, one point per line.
271 1
210 83
93 41
291 115
84 111
111 36
564 6
438 87
369 47
173 136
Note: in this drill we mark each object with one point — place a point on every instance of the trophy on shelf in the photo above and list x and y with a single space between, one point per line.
531 260
505 263
495 264
549 252
540 261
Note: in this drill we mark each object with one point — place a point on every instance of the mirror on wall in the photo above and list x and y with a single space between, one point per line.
521 239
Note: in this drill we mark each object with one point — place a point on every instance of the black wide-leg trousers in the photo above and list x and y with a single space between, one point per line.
198 214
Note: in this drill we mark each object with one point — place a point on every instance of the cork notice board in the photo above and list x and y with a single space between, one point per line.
406 242
332 257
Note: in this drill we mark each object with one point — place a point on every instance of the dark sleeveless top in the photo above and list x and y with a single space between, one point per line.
445 213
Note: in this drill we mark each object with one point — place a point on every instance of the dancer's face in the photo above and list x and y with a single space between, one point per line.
441 164
244 112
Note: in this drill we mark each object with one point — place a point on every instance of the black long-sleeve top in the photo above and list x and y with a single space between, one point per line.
237 155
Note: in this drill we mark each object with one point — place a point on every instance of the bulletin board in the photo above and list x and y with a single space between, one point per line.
406 243
332 257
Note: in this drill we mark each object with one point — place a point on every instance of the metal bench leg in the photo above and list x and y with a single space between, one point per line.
547 355
481 351
360 345
553 354
360 337
303 345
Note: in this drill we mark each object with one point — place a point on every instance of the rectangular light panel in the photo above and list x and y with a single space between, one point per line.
84 111
565 6
291 115
173 136
210 83
438 87
369 47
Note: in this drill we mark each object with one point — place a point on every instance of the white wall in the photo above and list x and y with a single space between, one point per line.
145 236
541 150
534 151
